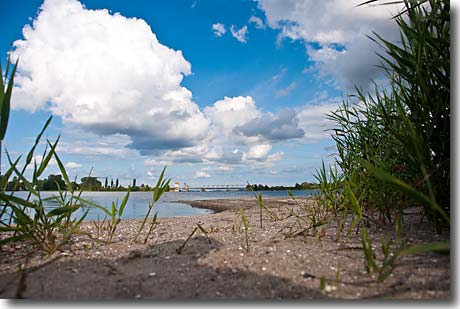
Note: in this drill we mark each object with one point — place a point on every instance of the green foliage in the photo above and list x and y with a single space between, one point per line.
114 215
198 227
332 197
297 186
161 187
393 144
29 220
5 96
91 183
262 207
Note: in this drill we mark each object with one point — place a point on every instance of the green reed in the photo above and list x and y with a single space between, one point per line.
161 187
245 223
28 218
393 143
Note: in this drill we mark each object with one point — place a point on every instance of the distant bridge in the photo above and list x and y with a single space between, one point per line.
216 187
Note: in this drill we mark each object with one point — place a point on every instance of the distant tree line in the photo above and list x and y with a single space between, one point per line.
56 182
297 186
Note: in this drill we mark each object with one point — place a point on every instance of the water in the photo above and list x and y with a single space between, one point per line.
167 206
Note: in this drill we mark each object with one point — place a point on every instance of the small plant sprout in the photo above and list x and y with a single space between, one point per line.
115 217
262 207
198 227
245 223
161 187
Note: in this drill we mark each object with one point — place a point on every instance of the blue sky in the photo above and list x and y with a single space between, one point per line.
244 100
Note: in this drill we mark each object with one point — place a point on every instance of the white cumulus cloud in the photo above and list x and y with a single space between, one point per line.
338 28
230 112
258 151
108 74
313 120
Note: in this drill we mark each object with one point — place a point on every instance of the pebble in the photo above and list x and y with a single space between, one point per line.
152 274
330 288
307 275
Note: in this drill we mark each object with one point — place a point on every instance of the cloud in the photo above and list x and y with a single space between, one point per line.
239 34
257 21
287 90
335 34
223 168
228 113
271 127
219 29
72 165
107 74
109 78
78 142
312 119
258 151
201 174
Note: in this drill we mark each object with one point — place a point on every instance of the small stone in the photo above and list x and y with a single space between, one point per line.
330 288
152 274
308 276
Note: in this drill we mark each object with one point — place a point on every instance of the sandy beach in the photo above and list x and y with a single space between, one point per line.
218 266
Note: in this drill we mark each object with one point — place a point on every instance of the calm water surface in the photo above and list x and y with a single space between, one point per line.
167 206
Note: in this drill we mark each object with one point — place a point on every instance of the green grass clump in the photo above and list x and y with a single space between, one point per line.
28 218
393 144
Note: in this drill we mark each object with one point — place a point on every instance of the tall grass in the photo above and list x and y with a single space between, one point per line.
29 220
393 143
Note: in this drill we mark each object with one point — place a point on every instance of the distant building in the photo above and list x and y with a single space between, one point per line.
176 186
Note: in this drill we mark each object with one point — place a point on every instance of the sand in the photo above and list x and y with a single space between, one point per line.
218 267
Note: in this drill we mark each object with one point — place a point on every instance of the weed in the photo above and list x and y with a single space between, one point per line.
262 207
246 228
161 187
198 227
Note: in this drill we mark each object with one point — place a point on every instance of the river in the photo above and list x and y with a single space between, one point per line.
167 206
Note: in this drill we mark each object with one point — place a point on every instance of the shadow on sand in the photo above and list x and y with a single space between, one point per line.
157 272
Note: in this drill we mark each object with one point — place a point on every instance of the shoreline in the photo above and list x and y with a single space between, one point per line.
220 205
219 266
